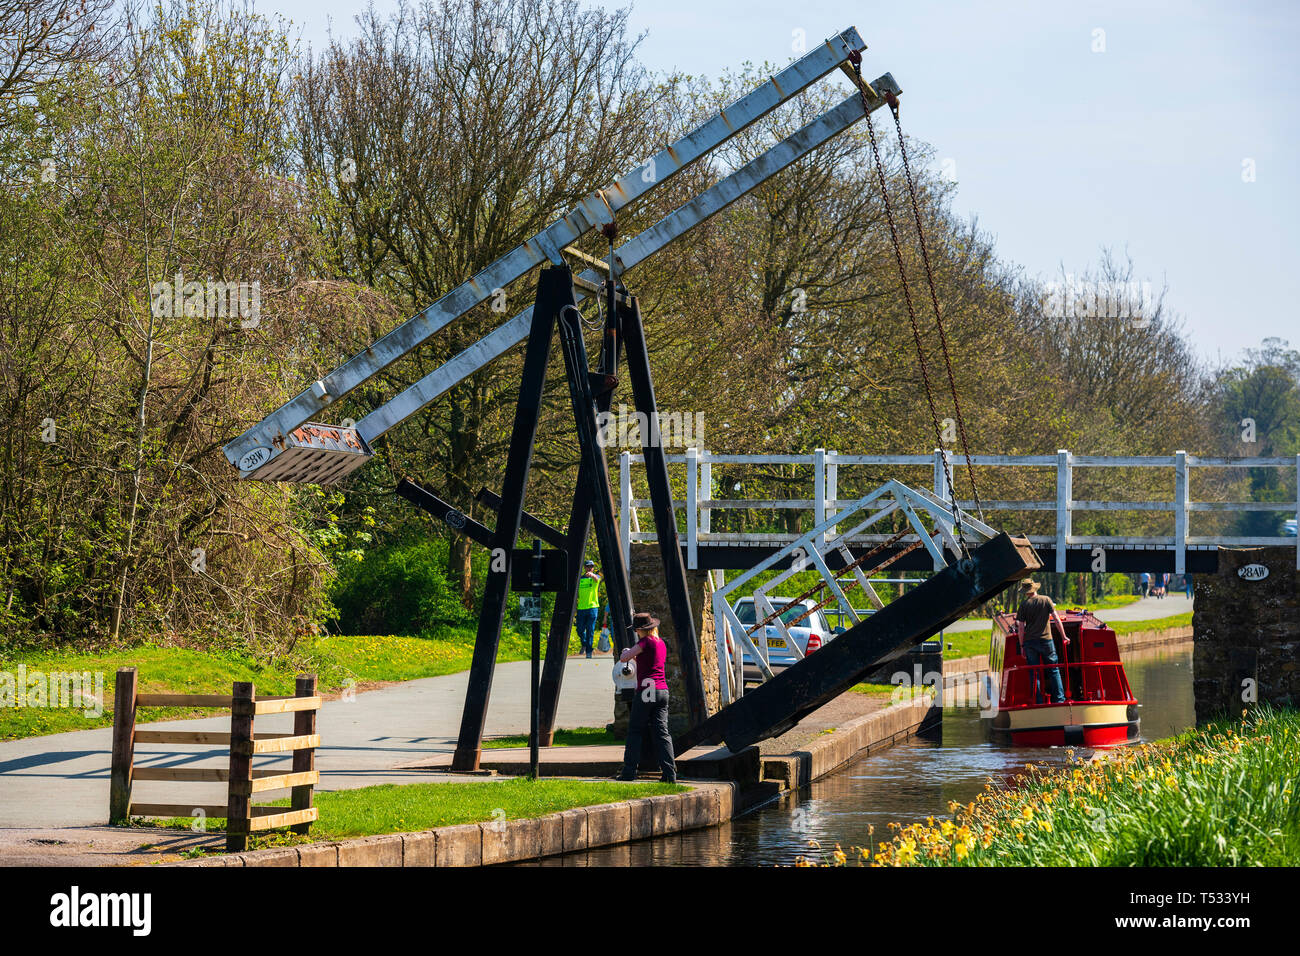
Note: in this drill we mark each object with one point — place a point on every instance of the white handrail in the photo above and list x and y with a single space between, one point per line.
825 465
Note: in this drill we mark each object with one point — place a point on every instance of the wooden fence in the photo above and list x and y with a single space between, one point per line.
242 815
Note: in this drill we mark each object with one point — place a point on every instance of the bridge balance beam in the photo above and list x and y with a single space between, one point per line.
780 703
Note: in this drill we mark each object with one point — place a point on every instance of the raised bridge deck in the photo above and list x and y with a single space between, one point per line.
781 702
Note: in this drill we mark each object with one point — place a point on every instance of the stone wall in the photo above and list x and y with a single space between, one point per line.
1246 633
647 579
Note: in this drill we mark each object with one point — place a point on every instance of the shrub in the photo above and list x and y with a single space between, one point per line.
400 588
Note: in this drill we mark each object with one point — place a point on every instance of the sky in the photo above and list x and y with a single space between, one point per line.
1167 132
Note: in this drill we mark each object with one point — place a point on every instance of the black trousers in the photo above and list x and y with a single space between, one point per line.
649 716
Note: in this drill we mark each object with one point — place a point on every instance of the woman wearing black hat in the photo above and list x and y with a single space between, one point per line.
650 705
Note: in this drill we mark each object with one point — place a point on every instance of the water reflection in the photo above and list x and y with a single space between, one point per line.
908 782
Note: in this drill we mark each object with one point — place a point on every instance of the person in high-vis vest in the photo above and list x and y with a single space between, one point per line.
588 606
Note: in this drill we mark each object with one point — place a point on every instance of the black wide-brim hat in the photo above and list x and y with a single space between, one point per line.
642 620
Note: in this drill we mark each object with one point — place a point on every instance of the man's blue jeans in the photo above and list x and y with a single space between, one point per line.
586 621
1044 652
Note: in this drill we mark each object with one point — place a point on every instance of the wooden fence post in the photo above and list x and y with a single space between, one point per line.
238 812
304 722
119 786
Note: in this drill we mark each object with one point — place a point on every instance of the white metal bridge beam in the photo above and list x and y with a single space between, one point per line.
646 244
272 432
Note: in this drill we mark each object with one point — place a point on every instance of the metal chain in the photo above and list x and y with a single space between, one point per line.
856 59
938 317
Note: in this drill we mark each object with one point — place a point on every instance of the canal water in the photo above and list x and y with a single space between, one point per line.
903 784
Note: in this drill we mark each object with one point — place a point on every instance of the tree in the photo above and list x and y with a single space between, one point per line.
436 141
1258 415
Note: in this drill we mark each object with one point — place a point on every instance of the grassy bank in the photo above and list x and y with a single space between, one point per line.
889 690
1222 795
405 808
339 662
1158 624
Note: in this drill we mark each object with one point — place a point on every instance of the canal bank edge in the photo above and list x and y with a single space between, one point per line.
706 804
857 737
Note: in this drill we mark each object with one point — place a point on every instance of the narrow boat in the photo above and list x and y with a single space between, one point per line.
1099 708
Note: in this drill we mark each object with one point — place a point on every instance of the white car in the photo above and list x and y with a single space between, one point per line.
809 634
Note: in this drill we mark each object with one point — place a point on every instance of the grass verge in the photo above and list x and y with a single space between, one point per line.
889 690
411 807
1156 624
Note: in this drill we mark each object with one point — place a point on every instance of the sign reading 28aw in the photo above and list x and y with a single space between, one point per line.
1253 572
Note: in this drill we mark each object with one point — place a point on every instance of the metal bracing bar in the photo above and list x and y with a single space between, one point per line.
945 510
530 522
595 209
803 541
763 605
936 553
771 616
863 581
722 612
590 262
646 244
901 495
847 536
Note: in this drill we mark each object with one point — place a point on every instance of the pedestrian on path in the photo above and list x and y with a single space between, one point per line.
650 703
588 606
606 645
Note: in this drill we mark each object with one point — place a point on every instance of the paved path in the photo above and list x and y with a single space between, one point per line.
62 780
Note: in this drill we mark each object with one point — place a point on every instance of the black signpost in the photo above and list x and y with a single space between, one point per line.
533 711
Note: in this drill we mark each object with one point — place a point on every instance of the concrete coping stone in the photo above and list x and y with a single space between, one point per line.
706 804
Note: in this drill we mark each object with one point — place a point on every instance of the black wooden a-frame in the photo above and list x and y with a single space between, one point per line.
590 393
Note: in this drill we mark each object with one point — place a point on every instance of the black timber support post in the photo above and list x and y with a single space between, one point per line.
554 290
661 499
600 497
557 645
557 641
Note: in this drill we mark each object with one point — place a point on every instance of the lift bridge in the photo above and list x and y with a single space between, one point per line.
292 445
